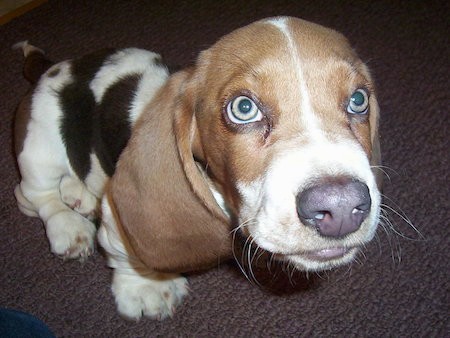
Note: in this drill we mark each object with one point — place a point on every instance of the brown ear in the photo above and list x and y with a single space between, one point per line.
375 160
163 202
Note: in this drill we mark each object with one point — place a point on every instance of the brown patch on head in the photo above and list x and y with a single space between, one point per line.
240 65
266 69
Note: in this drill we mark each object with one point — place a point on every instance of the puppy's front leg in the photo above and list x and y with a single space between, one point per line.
138 291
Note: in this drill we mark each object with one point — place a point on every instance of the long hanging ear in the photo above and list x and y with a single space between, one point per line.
375 160
163 202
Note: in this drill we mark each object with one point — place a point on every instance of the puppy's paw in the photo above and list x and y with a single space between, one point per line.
156 296
71 235
77 197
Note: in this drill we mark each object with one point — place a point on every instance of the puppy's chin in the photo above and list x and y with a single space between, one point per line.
325 258
319 260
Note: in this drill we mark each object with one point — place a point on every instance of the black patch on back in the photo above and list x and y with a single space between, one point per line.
111 121
78 103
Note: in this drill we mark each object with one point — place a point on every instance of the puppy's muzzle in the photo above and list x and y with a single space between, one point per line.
335 207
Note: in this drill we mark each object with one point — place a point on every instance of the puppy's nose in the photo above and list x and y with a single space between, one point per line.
336 207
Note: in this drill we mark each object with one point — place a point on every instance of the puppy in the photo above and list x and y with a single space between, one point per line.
69 131
273 133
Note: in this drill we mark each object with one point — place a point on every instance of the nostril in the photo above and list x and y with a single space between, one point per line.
365 206
357 211
360 210
320 215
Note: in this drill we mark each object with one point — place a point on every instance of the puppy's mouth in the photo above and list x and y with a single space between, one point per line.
328 254
322 259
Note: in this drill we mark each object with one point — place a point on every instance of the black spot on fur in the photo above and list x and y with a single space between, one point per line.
78 103
112 125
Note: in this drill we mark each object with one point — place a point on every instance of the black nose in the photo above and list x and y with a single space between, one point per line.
336 207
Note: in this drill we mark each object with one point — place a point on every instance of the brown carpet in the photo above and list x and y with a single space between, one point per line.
400 288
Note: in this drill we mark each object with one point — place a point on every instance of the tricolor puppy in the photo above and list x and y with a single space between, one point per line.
273 132
69 131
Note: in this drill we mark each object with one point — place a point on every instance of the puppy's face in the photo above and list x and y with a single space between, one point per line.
287 122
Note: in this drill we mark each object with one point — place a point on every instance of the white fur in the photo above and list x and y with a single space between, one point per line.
153 78
124 62
273 198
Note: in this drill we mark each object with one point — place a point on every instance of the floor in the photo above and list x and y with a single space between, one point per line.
10 9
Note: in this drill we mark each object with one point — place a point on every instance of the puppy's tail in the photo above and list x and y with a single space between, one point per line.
35 63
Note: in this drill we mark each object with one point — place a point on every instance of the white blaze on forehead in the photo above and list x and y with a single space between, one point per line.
308 117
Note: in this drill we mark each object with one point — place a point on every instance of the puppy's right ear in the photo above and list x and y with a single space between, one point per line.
168 215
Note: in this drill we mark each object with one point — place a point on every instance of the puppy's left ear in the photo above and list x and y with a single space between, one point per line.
375 159
163 201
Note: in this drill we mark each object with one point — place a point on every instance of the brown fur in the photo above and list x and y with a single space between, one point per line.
162 200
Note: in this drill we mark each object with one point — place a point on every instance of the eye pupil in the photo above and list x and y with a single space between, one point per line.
245 106
358 98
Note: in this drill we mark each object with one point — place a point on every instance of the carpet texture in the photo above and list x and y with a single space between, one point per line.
398 288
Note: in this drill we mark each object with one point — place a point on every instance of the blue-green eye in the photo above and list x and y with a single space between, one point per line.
359 102
243 110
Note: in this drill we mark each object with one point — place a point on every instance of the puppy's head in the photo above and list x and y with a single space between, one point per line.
286 127
277 121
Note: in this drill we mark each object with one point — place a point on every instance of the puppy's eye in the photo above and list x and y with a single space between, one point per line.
359 102
243 110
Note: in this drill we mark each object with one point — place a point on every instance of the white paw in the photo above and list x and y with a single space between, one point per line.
71 235
155 297
75 195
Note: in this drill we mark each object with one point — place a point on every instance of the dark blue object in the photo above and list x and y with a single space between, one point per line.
19 324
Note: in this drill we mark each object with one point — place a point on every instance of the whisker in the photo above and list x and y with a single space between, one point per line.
249 262
382 169
240 265
385 169
233 250
402 216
